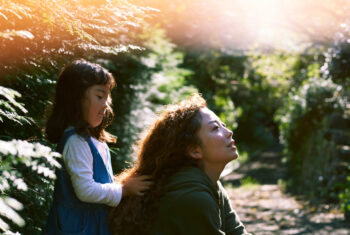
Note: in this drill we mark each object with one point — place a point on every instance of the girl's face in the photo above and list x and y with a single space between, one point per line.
95 103
217 146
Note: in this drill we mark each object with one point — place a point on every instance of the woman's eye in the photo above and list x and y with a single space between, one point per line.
99 97
215 128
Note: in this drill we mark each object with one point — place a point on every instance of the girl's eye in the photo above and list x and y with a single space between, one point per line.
215 128
99 97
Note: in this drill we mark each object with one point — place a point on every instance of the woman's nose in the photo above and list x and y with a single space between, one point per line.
229 133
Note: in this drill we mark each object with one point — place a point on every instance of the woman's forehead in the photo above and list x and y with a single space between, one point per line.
208 115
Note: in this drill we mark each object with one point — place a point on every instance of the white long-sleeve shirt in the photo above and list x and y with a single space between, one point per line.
78 160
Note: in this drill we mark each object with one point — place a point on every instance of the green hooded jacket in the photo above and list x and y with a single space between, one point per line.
192 204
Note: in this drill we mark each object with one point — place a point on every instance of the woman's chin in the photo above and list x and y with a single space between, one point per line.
235 156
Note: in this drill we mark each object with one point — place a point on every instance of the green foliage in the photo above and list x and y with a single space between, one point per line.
168 83
345 199
249 182
146 83
305 127
336 68
59 27
228 112
246 91
38 38
26 175
260 92
274 71
9 106
338 57
216 76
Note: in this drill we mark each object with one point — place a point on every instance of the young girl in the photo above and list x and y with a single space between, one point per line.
185 150
84 188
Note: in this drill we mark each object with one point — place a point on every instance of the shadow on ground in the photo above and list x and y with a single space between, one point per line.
266 210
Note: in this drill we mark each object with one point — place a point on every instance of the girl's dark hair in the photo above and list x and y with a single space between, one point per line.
162 152
72 83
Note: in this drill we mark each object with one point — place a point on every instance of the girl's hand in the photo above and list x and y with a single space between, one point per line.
136 185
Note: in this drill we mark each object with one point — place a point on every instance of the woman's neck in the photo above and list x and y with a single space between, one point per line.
213 172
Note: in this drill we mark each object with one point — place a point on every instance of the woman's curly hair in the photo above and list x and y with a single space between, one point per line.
162 152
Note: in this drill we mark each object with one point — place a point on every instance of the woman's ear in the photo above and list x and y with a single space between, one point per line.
195 152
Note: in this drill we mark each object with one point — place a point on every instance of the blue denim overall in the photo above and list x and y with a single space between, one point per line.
70 216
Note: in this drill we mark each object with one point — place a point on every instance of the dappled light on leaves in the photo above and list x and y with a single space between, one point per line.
37 159
49 28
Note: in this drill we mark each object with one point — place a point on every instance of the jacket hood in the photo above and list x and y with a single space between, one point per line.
190 179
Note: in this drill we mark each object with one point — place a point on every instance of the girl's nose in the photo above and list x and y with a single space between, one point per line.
105 104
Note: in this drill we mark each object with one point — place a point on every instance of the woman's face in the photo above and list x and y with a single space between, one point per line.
94 104
217 146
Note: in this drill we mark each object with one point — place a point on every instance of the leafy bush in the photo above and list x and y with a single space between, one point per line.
345 199
336 68
263 90
338 57
38 38
306 132
26 173
9 106
247 90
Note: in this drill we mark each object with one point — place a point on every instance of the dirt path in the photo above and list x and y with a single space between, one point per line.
265 209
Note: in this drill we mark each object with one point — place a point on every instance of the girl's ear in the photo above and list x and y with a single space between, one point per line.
195 152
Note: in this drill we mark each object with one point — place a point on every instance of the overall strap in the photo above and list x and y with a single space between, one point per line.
64 192
68 133
101 173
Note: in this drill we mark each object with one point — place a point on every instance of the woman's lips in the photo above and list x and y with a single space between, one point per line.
232 145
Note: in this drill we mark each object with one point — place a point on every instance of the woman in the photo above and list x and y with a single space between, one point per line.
185 151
